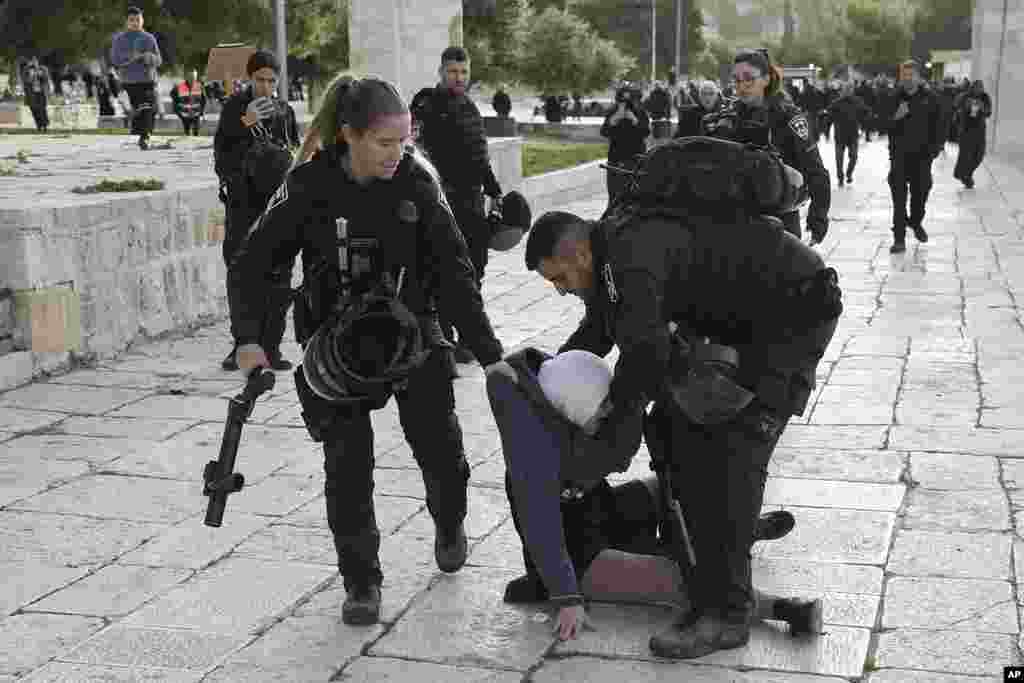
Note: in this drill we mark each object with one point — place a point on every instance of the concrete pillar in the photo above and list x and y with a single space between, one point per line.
997 46
401 40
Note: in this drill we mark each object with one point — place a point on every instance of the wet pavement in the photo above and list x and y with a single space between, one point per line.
906 477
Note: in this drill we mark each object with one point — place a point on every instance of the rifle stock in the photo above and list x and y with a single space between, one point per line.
219 476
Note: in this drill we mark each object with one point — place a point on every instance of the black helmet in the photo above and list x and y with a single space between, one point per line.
366 351
510 224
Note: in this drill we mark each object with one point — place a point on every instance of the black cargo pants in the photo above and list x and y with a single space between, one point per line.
467 206
913 171
426 409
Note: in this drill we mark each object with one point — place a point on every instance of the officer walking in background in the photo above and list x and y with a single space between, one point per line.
692 116
36 80
189 101
913 122
136 55
760 114
370 220
720 282
252 153
972 111
847 113
451 132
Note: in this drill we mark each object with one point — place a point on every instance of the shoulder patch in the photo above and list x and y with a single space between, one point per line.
800 127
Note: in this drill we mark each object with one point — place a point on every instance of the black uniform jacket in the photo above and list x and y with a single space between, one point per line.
791 135
726 281
402 222
452 135
920 132
848 114
233 139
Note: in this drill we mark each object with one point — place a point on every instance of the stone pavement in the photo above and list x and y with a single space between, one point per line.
905 476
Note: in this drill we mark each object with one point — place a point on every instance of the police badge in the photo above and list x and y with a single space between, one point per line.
800 127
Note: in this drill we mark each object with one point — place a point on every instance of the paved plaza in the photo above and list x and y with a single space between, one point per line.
905 475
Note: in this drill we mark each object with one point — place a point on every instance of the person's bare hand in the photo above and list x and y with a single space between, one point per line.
251 356
572 621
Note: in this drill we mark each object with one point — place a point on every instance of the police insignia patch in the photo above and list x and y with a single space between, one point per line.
279 197
800 127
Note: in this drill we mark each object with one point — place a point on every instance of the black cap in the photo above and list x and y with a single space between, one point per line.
261 59
516 218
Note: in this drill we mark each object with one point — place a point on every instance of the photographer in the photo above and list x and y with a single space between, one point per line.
252 152
746 287
627 128
581 536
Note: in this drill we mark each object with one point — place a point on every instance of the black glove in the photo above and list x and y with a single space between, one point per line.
818 227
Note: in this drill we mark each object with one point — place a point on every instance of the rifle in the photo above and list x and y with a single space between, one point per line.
219 476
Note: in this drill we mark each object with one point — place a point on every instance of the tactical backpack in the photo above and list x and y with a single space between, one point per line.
704 174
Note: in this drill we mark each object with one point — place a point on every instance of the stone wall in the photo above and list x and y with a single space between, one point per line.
86 278
998 51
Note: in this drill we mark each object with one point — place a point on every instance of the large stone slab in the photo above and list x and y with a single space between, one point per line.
462 620
833 494
782 575
845 536
952 471
488 508
599 670
236 596
388 670
112 591
980 510
392 513
1001 442
979 654
408 567
308 648
164 407
62 672
23 475
26 581
286 543
22 420
910 676
828 463
70 399
122 645
61 447
842 437
122 427
27 641
276 495
191 544
68 540
951 554
502 548
132 498
953 604
624 632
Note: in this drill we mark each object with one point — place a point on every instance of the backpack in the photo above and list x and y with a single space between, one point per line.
713 173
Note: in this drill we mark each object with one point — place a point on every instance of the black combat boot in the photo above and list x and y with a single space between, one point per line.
773 525
362 605
919 233
701 634
525 589
803 616
450 547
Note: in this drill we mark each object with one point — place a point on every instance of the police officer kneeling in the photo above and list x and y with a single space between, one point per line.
379 246
722 279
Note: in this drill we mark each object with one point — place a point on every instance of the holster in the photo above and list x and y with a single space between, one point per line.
700 384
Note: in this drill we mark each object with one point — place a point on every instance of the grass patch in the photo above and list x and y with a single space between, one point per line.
542 155
6 170
131 185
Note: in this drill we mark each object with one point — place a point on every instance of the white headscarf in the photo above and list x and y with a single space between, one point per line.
575 382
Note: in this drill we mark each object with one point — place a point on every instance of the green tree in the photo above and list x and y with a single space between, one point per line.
565 55
628 25
494 40
873 36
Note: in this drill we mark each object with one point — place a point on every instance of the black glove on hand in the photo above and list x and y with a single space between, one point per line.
818 228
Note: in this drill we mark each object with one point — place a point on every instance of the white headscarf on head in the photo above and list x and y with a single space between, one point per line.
575 382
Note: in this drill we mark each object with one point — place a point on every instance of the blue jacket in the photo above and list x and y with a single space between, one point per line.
126 55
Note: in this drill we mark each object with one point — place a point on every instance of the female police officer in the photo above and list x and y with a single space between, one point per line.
399 230
760 110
